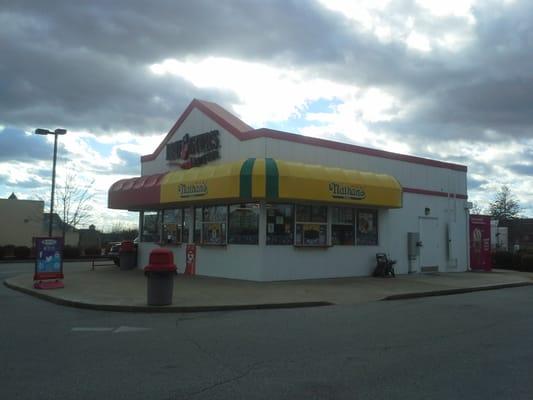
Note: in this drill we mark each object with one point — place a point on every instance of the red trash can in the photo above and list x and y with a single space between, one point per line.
127 255
160 273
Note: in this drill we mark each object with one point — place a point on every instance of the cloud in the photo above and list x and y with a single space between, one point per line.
446 80
16 145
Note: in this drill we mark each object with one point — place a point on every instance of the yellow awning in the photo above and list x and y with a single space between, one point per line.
259 179
303 182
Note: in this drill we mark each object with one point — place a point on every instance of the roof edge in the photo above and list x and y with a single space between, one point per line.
352 148
223 119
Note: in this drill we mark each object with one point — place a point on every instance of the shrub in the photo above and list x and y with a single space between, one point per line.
526 262
1 252
9 250
502 259
93 251
22 252
71 252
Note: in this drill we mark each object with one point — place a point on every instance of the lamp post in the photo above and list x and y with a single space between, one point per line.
55 133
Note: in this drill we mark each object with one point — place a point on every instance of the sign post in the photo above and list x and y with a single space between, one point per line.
190 262
48 263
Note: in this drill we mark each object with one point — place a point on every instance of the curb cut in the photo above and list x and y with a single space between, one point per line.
447 292
165 309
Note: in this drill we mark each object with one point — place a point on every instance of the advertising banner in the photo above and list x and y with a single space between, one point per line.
480 257
48 258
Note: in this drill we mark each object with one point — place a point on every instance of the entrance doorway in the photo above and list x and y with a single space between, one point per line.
430 249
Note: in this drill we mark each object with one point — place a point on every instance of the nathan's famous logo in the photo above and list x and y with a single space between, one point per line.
343 191
192 189
193 151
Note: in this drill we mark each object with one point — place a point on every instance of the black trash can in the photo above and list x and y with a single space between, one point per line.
127 255
160 277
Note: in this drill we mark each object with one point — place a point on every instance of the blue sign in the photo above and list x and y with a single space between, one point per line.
48 258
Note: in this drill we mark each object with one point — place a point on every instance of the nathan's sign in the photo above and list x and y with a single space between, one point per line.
193 151
192 189
343 191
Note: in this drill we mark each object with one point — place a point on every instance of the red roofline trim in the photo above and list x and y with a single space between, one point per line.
251 134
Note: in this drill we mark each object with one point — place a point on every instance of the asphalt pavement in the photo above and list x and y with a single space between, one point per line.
112 289
467 346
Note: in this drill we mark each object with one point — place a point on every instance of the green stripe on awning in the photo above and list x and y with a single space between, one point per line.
272 179
246 178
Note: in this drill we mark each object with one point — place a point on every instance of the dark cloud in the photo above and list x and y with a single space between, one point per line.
86 65
522 169
130 165
16 145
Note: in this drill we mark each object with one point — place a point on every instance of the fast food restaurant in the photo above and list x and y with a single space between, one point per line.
266 205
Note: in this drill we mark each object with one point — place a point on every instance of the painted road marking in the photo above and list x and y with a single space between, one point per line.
123 329
120 329
91 329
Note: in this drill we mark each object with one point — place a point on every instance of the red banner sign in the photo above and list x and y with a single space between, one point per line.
480 258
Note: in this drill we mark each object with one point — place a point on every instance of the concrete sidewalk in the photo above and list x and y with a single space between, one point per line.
108 288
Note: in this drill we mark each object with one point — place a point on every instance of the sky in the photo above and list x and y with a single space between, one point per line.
451 81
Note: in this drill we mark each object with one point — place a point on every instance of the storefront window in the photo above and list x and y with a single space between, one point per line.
244 224
197 236
367 227
214 224
187 223
172 226
151 227
311 225
342 226
280 224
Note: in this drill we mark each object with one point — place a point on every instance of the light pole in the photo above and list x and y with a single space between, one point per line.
55 133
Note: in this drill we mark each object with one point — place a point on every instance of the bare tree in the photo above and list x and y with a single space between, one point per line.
476 209
74 201
505 207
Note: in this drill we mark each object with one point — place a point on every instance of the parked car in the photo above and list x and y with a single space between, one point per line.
113 253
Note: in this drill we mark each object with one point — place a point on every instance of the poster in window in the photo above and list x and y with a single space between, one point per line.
213 233
367 227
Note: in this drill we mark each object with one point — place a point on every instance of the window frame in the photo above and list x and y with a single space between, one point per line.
300 224
360 238
179 226
352 224
248 205
224 226
267 225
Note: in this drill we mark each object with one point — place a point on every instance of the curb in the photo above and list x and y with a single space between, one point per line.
165 309
447 292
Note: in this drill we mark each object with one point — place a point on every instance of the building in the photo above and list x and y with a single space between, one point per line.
520 233
23 218
266 205
26 220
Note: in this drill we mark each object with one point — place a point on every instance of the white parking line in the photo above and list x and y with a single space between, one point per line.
92 329
120 329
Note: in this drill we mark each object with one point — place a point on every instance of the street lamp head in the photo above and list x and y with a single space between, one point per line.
58 131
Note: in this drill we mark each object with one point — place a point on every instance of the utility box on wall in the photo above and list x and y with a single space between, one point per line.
413 245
